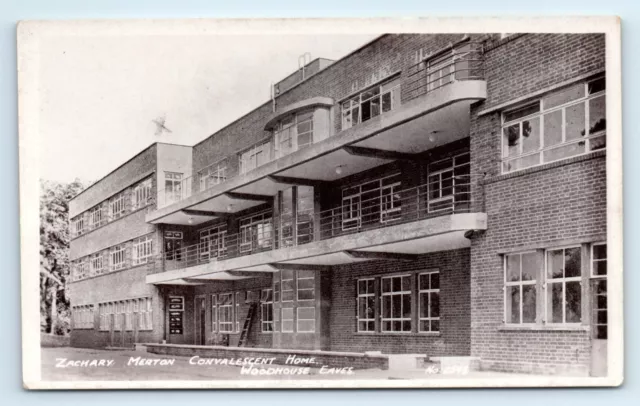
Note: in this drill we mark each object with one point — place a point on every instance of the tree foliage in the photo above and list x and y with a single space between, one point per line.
54 253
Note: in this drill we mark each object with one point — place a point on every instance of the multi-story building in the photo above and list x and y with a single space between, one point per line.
433 194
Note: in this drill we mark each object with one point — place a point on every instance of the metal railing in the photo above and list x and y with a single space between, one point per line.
448 195
464 62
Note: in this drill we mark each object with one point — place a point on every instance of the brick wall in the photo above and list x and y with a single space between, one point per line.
454 307
538 207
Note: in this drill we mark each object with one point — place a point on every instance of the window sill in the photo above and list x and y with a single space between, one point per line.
543 328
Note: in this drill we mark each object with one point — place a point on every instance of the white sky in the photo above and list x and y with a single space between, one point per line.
99 95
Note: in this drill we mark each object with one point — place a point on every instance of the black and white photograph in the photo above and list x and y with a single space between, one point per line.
319 203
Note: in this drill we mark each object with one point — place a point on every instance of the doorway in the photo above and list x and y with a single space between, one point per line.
200 317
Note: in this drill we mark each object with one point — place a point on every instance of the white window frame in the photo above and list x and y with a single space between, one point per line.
266 310
520 283
78 225
97 264
141 194
259 226
212 175
227 325
351 107
213 242
593 260
441 174
118 252
293 286
298 320
287 130
142 250
173 186
288 320
352 204
250 158
392 293
117 206
312 289
540 115
97 216
429 292
364 296
548 288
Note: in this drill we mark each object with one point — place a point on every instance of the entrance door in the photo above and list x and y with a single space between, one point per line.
200 314
599 310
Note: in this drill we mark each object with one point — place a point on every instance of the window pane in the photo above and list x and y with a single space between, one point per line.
522 112
600 268
597 115
563 96
435 304
555 264
553 128
435 280
406 283
513 268
424 305
564 151
572 262
386 102
598 143
529 266
423 282
574 302
600 251
556 302
574 122
520 163
597 85
531 135
305 294
529 304
406 306
512 137
513 304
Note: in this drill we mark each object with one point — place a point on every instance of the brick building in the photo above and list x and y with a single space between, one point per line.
438 194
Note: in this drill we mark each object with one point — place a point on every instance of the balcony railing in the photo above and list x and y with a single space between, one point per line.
448 195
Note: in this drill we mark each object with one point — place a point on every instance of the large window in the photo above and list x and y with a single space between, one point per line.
173 187
255 157
83 317
520 273
225 312
142 250
396 303
449 184
118 257
429 302
97 216
256 232
97 264
366 305
212 175
293 133
372 202
266 310
564 287
141 195
370 103
117 206
565 123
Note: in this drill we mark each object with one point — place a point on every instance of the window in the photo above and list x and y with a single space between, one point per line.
78 225
225 312
564 289
141 195
237 312
366 305
213 175
118 255
266 310
287 285
449 184
97 216
287 320
293 133
599 291
104 316
256 232
83 317
173 186
306 319
142 250
372 202
212 242
97 264
520 274
117 206
370 103
562 124
429 302
396 303
82 269
255 157
306 285
129 312
276 290
214 313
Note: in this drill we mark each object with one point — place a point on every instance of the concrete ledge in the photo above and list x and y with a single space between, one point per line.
304 358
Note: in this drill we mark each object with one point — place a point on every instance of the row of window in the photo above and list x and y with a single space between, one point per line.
82 317
389 304
546 286
114 258
125 314
139 195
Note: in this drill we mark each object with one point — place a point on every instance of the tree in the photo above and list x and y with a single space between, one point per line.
54 254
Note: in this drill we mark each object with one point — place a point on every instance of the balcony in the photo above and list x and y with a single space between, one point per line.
432 109
430 217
